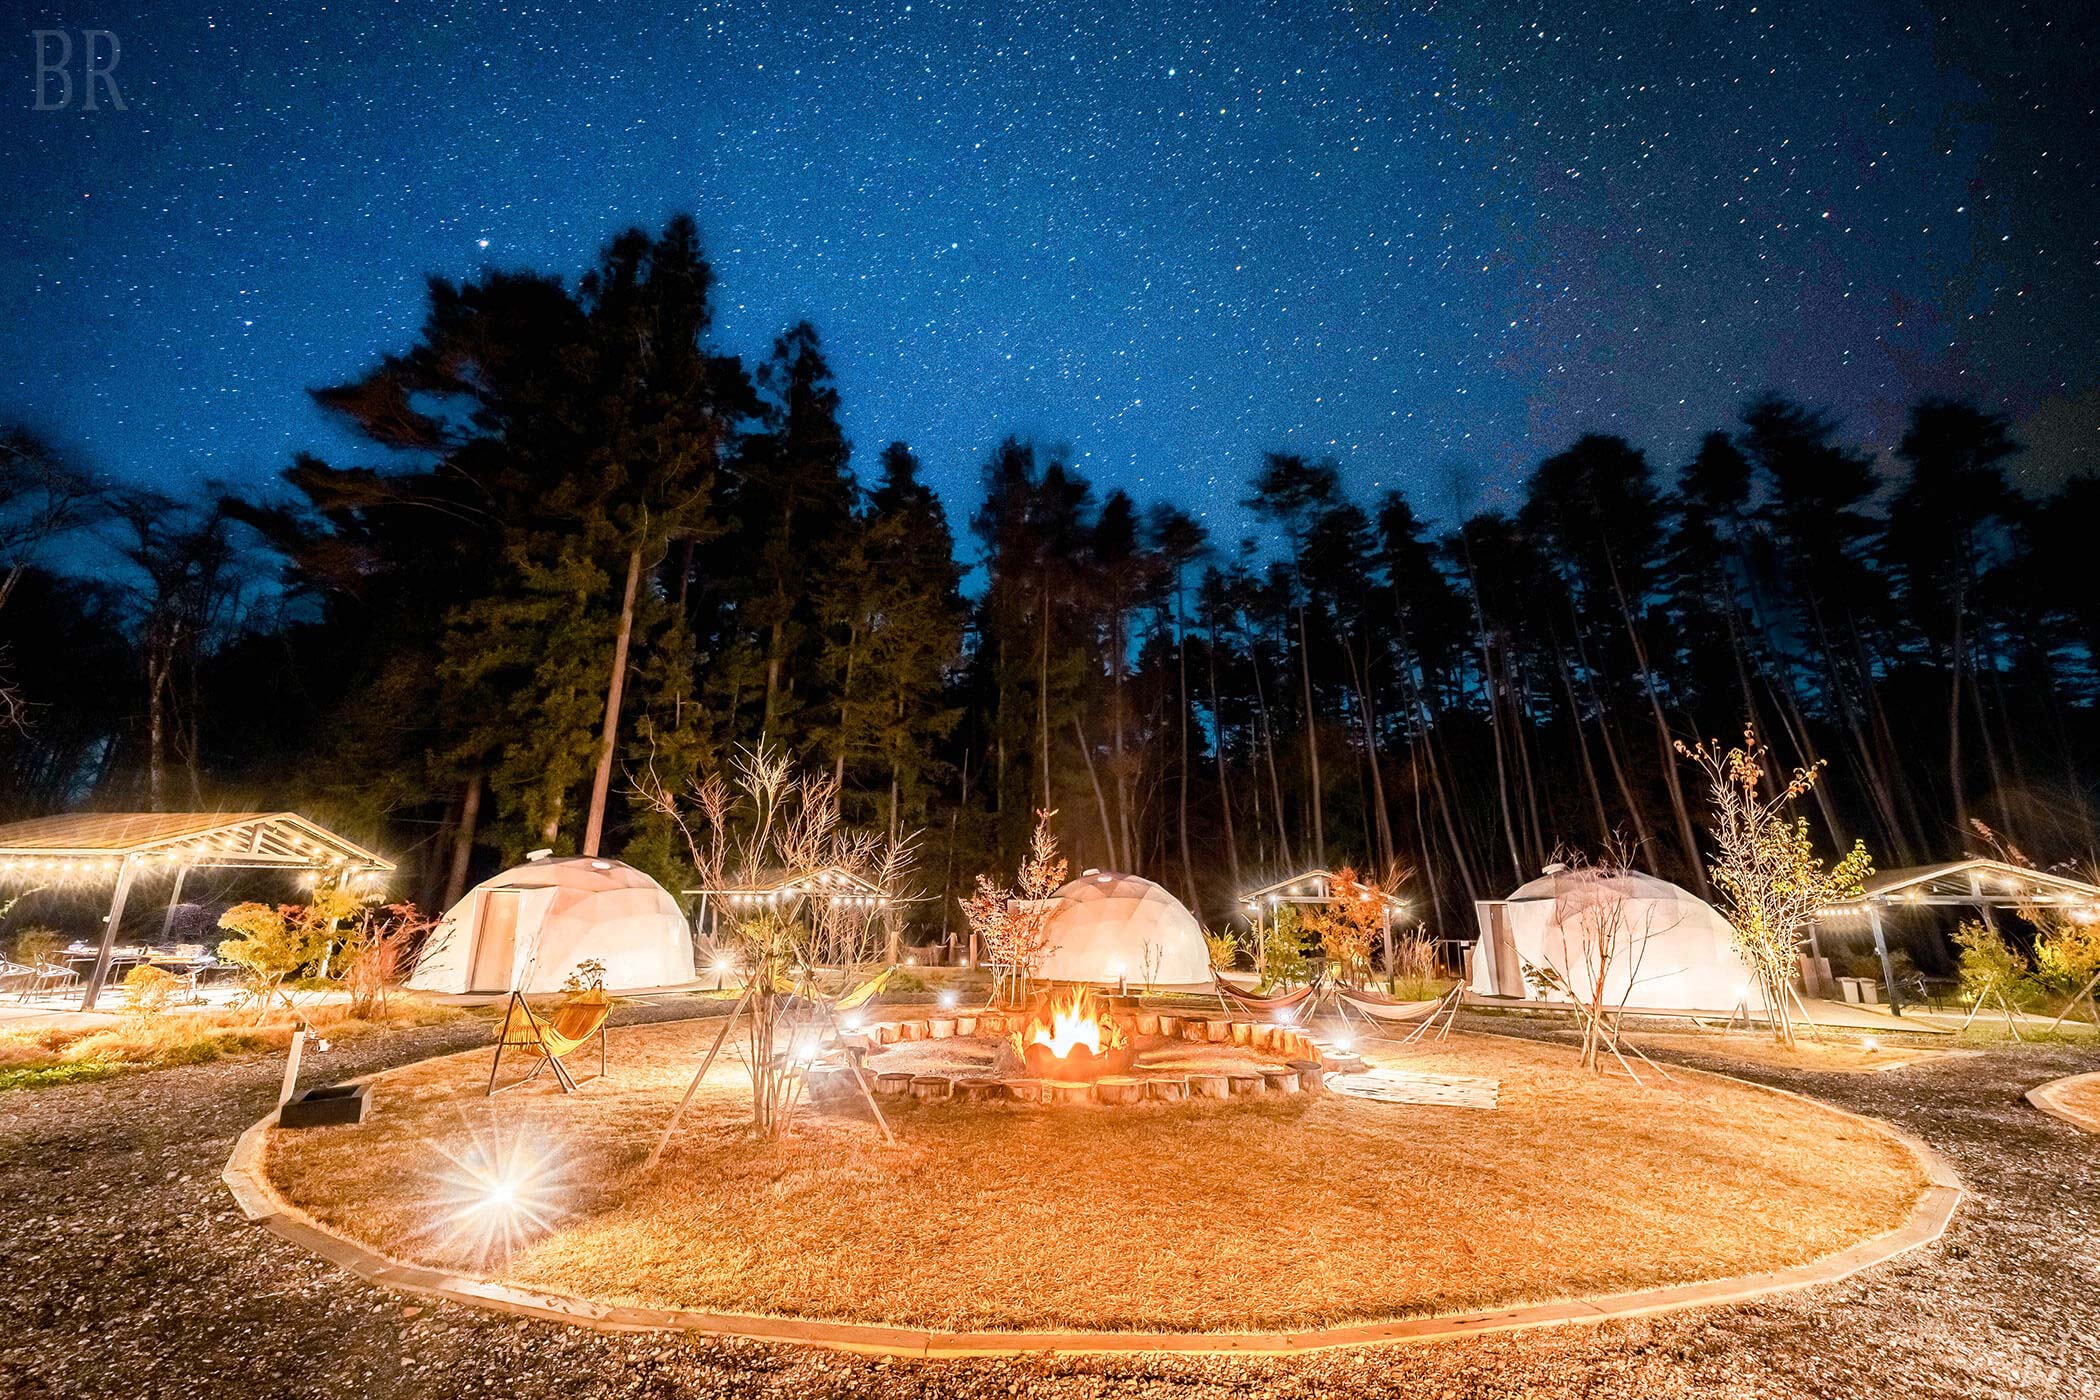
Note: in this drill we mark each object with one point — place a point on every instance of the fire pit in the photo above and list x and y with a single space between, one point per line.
1075 1042
1075 1047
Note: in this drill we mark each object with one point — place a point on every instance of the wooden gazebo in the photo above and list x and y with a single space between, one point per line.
120 847
1311 887
787 890
1973 882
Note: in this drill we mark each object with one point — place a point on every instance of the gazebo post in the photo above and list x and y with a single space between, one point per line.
167 920
1881 946
125 871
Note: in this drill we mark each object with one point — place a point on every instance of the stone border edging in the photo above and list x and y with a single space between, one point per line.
260 1202
2049 1099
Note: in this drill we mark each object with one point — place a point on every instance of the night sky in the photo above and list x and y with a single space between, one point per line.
1434 242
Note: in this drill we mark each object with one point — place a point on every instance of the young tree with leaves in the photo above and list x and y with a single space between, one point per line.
1773 883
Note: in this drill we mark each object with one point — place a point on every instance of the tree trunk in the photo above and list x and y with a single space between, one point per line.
1181 665
1086 751
463 839
609 734
1312 744
1217 724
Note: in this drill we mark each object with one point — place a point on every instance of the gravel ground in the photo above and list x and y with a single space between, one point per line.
128 1272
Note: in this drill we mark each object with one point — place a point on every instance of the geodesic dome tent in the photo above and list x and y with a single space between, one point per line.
528 928
1676 951
1110 927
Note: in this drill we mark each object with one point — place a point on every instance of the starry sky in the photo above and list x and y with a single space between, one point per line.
1433 241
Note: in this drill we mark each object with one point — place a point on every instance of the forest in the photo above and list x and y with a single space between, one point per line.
585 544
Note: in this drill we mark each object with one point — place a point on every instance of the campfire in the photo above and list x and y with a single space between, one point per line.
1075 1040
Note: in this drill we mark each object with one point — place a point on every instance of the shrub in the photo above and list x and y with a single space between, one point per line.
586 976
37 944
1224 948
1987 961
148 990
2067 955
1283 948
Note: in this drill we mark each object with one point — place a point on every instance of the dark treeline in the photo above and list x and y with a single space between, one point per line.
575 506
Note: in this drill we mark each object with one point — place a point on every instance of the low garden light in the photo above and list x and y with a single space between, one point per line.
948 1000
498 1193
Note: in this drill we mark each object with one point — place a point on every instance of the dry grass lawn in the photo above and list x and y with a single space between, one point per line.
1293 1212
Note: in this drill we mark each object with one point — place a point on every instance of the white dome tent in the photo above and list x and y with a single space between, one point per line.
1112 928
528 928
1677 951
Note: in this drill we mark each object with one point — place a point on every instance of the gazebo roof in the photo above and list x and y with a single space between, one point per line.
827 881
1306 887
261 839
1973 880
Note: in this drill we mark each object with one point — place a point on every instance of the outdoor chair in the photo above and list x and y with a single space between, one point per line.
18 978
549 1040
52 980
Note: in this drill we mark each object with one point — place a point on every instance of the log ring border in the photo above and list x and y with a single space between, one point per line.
260 1202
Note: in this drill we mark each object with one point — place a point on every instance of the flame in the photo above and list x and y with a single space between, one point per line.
1072 1023
1075 1022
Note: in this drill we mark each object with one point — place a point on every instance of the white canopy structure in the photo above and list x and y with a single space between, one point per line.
1114 928
528 928
1673 950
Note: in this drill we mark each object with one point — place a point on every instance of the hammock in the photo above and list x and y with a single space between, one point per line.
1380 1007
852 999
1287 1001
551 1039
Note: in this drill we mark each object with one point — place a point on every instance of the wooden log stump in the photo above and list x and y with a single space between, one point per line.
980 1090
1261 1036
1217 1032
1209 1086
1025 1090
1309 1072
991 1023
886 1033
1057 1092
931 1088
1118 1089
1167 1090
1147 1022
892 1084
1169 1026
1275 1079
1195 1032
911 1030
940 1028
1242 1032
1245 1084
1336 1062
966 1025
